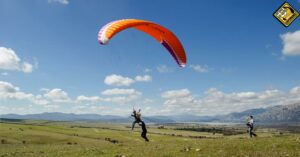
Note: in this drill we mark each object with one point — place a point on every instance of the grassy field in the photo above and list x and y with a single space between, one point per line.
64 139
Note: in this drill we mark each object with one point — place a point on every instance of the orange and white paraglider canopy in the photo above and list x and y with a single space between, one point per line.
160 33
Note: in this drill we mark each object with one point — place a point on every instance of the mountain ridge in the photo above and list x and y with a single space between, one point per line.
280 113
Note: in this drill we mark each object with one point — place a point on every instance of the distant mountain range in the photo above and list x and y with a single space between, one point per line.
274 114
282 113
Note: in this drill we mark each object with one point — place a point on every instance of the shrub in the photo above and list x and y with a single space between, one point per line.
3 141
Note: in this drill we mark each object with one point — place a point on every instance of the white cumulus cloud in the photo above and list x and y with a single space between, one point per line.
215 101
91 99
180 100
10 92
147 70
118 91
57 95
200 68
118 80
115 95
176 93
26 67
121 96
10 61
6 87
164 69
295 90
145 78
65 2
291 43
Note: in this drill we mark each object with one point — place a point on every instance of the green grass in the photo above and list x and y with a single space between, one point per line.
67 139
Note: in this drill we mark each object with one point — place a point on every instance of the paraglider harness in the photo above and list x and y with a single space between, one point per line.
249 125
136 117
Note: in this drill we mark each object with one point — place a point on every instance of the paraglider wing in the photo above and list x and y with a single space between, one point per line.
160 33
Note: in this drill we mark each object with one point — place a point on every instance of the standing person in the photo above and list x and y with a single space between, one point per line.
250 125
137 117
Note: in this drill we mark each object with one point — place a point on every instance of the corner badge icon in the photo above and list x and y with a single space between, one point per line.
286 14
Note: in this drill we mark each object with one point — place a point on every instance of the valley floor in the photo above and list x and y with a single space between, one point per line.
63 139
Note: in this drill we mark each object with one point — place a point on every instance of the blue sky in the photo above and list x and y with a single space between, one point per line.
239 57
